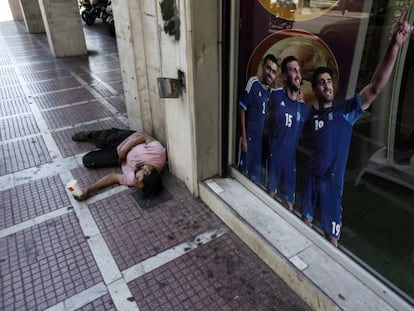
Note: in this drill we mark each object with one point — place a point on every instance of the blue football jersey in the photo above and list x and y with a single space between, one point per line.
331 132
255 101
287 120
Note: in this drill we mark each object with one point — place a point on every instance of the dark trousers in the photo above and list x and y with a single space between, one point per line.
107 141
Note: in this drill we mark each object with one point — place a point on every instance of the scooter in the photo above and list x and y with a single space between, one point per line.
90 10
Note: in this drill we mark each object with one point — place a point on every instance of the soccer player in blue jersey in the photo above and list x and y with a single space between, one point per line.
253 105
287 117
331 136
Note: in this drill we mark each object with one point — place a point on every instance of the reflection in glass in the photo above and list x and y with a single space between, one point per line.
378 206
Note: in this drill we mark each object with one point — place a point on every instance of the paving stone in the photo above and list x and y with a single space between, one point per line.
25 59
63 97
103 91
36 67
46 75
9 92
23 44
118 102
36 50
8 80
134 235
103 303
89 78
53 85
18 127
11 29
19 155
49 262
7 71
117 86
75 114
110 76
27 201
221 275
14 106
102 63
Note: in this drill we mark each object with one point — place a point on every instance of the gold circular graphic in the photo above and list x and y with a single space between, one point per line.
298 10
309 49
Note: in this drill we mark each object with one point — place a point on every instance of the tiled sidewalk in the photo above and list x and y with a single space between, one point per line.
108 253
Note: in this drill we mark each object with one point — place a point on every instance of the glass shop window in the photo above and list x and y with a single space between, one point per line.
349 37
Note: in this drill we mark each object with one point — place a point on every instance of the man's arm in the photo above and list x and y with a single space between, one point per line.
402 31
243 129
106 181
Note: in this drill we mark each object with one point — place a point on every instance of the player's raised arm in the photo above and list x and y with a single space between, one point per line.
402 31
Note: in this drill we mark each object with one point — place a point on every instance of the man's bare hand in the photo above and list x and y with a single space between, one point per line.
299 97
85 194
244 145
402 28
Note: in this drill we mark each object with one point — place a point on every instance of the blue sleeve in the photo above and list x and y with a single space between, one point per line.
244 99
351 109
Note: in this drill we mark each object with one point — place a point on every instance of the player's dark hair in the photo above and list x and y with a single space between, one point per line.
152 183
286 61
318 71
270 57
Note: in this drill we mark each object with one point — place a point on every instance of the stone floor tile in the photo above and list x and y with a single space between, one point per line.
27 59
134 235
70 115
63 97
18 126
27 201
89 78
112 64
221 275
110 76
37 67
14 106
53 85
46 75
117 86
103 91
10 92
8 72
49 263
118 102
19 155
104 303
35 50
8 80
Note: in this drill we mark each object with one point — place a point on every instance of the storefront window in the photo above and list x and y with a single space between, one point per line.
349 37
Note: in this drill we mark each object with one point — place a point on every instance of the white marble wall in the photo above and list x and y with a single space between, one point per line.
190 124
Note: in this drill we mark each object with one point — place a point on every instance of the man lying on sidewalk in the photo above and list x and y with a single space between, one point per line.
140 156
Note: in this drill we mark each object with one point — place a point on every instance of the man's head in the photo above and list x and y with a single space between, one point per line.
291 73
269 70
148 180
322 86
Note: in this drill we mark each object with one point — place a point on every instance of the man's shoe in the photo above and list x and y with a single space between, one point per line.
80 136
